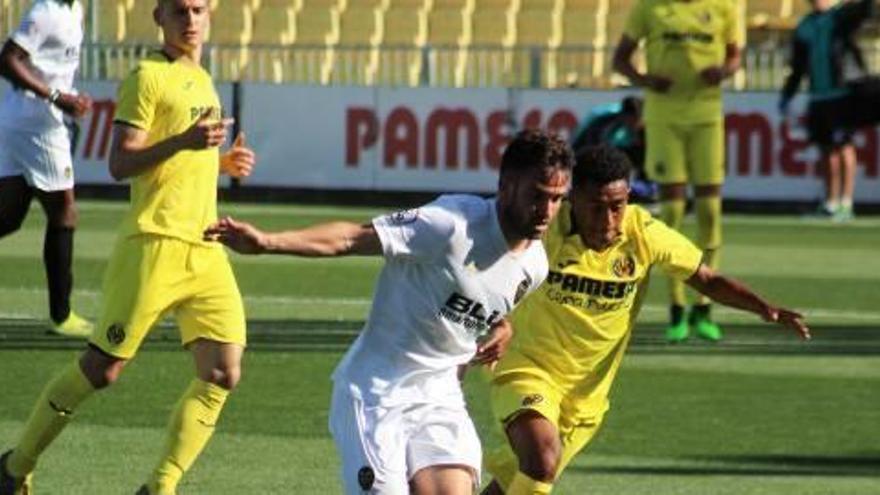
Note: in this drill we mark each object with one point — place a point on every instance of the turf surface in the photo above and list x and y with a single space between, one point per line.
759 413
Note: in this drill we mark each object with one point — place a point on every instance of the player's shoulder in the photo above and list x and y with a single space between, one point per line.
152 67
637 220
463 206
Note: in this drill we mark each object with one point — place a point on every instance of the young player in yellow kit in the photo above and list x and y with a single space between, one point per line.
166 137
549 392
691 46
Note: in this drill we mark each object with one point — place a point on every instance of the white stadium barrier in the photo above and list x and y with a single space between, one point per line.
438 139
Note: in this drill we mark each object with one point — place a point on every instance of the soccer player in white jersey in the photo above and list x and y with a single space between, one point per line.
453 269
40 60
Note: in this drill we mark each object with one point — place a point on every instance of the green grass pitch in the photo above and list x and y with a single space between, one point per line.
759 413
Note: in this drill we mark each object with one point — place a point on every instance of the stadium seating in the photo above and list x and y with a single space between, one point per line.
401 42
404 35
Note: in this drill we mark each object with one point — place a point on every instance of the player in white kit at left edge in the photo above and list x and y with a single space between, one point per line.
40 60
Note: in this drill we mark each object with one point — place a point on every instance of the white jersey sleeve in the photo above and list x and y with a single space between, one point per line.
36 25
420 234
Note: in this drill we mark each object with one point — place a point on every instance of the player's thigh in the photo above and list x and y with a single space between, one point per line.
213 309
371 444
15 199
705 154
664 154
42 158
444 480
141 283
444 447
513 395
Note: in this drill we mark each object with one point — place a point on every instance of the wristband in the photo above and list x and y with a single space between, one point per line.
54 94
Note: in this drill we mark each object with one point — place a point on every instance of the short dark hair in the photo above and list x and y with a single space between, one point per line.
536 149
600 165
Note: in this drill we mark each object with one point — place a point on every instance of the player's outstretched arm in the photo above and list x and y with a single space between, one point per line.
15 66
322 240
130 155
735 294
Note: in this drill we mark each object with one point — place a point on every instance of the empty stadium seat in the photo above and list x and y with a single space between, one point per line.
273 25
139 24
315 31
111 22
356 58
404 34
231 23
536 30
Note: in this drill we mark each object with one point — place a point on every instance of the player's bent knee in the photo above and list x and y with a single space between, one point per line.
101 369
226 377
542 463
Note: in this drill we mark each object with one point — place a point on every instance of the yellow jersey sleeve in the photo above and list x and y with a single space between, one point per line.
677 256
136 98
733 32
637 22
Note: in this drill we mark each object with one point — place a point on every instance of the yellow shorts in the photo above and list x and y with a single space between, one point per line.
150 276
681 154
513 393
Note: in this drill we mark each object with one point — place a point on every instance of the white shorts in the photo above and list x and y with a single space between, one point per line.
382 448
43 158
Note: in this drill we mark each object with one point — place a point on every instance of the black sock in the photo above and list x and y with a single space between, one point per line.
676 314
700 311
57 258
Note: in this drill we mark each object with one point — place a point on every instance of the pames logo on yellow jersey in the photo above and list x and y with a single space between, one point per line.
210 112
624 266
532 399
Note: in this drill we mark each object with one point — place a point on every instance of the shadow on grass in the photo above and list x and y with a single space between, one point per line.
752 465
336 335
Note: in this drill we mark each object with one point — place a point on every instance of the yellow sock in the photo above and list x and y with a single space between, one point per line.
53 410
522 484
672 213
709 233
189 429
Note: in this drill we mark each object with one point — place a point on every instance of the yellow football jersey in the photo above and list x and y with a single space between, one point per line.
574 329
178 197
681 39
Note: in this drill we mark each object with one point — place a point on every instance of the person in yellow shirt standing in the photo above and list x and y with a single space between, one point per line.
691 47
549 392
167 131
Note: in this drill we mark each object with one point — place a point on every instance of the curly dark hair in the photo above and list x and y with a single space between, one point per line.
600 165
536 149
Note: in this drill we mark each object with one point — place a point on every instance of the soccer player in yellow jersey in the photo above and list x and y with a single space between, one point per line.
167 132
691 47
549 392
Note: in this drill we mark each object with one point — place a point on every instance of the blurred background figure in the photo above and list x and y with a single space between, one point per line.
619 125
820 47
690 49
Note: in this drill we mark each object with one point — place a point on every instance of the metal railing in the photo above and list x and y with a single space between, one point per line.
764 68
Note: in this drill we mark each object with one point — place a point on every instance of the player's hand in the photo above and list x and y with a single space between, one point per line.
241 237
239 160
205 133
713 76
660 84
74 105
490 349
789 319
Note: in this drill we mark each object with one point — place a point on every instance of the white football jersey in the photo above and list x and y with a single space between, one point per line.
51 32
448 276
